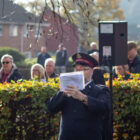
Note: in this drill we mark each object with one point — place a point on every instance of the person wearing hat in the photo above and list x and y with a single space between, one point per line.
82 110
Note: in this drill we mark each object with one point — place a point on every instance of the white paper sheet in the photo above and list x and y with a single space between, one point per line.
72 78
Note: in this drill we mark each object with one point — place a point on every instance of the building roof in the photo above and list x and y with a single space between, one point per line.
11 12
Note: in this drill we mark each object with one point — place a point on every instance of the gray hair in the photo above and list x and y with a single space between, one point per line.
61 45
93 43
49 60
7 56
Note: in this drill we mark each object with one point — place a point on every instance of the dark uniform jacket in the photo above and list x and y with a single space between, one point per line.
134 67
98 77
78 121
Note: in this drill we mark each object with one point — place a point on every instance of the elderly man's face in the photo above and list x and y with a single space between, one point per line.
87 71
49 68
7 64
43 50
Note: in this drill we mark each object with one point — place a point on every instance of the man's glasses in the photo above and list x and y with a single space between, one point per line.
86 69
6 62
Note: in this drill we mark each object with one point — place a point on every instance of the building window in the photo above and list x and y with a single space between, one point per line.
38 31
1 30
25 31
13 30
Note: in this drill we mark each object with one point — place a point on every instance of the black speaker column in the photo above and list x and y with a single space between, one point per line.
112 52
112 43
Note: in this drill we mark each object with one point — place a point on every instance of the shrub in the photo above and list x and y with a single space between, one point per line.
126 108
18 57
23 111
30 62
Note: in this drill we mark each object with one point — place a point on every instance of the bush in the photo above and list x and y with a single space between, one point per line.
18 57
30 62
23 111
126 108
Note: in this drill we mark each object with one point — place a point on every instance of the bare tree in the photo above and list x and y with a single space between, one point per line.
84 13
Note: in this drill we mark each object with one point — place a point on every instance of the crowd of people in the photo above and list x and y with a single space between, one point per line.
52 68
83 111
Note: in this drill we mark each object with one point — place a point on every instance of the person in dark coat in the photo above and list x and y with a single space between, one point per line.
43 56
82 110
9 70
61 59
98 76
133 58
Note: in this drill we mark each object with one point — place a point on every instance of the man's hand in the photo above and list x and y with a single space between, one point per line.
75 93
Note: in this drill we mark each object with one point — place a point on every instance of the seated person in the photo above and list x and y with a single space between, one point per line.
122 70
9 70
38 72
50 69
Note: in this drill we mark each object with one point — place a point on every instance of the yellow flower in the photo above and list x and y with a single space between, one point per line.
125 135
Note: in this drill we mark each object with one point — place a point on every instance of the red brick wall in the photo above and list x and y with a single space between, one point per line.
58 31
16 42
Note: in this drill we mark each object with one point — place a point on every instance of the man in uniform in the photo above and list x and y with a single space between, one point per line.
82 110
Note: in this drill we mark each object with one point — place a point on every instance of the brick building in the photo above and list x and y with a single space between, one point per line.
27 32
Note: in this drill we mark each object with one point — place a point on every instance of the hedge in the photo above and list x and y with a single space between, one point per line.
126 107
23 112
17 56
24 115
